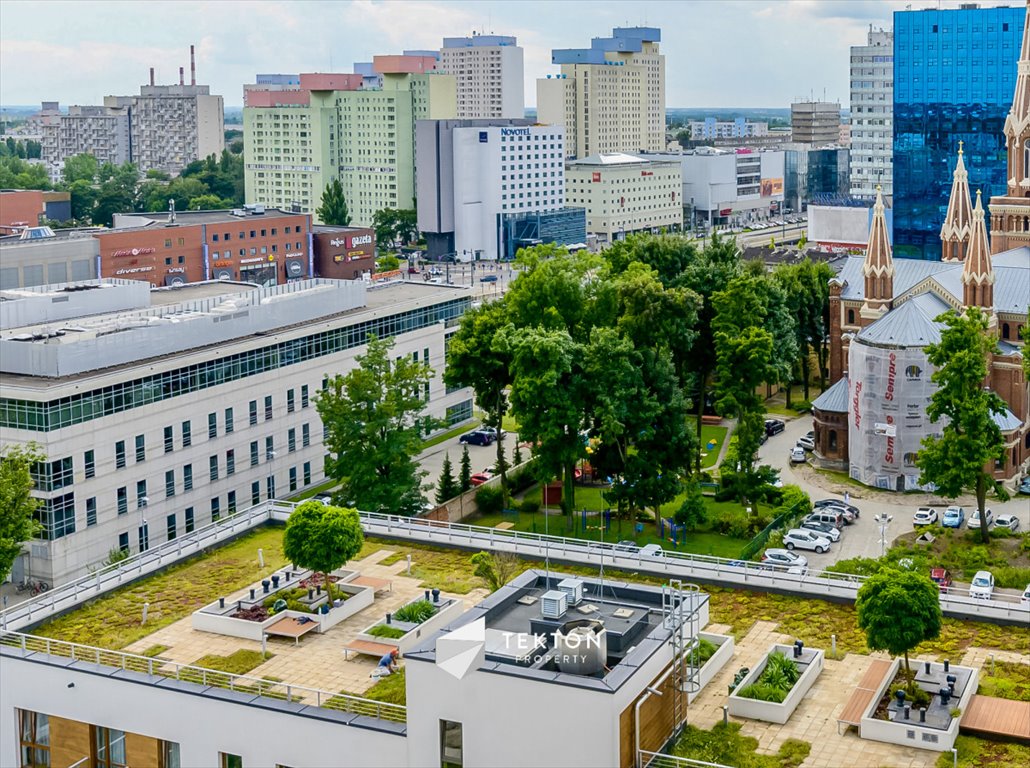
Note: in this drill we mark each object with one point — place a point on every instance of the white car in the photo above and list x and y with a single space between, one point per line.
974 519
825 530
652 550
797 455
1024 599
982 587
802 538
783 559
806 442
1009 522
925 516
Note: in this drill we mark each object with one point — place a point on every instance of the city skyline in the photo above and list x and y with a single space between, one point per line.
90 55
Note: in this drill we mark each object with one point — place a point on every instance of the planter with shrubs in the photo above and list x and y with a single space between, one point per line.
772 690
714 652
419 618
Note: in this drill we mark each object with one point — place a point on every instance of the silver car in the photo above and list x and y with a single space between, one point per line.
802 538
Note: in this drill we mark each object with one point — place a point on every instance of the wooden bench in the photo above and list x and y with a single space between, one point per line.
505 526
711 420
867 687
288 626
368 648
377 585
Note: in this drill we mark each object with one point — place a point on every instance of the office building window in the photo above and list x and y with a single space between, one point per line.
270 487
268 407
187 435
213 465
290 404
119 454
170 527
52 475
230 463
169 483
141 494
305 400
269 448
253 412
293 479
91 511
90 461
170 754
255 492
169 439
229 761
305 435
123 542
188 519
212 425
231 502
450 744
216 509
254 453
108 748
122 495
187 477
228 421
141 448
291 440
58 516
34 738
307 473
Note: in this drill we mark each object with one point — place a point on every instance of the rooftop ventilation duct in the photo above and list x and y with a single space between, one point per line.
554 604
573 588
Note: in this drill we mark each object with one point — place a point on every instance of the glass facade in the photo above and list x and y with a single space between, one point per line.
954 76
55 414
565 226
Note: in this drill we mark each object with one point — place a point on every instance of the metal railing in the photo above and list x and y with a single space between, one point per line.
159 669
662 760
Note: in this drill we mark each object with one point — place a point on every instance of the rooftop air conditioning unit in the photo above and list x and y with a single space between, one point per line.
573 588
554 604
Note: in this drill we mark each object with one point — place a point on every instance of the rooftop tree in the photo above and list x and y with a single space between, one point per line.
898 610
322 538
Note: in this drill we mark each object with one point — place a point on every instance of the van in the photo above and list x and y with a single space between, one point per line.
827 515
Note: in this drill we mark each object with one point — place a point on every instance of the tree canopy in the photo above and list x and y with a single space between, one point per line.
962 457
322 538
898 610
333 210
375 418
17 505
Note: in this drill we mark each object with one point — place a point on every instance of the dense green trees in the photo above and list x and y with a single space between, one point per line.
333 210
394 226
17 523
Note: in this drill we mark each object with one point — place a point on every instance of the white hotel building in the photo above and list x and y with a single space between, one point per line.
163 410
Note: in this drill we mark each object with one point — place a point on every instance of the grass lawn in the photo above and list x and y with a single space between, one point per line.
713 436
113 620
236 663
1010 680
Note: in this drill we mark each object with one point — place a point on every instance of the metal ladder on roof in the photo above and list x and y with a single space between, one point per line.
680 604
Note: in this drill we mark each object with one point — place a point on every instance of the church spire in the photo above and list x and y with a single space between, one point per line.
878 268
977 274
1018 121
956 227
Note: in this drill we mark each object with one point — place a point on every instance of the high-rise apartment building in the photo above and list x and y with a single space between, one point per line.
872 109
99 131
815 122
738 128
488 75
954 76
333 126
611 96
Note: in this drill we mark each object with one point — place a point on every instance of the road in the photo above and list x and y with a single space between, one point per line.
481 456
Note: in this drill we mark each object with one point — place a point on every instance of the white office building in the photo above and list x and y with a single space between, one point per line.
738 128
161 411
872 115
623 194
488 71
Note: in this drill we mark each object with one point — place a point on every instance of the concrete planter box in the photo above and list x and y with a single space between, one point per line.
912 733
714 665
811 664
219 620
448 609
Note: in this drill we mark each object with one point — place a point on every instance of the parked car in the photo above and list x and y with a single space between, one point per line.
807 442
982 587
1024 599
974 519
488 279
652 550
827 515
1024 486
855 511
479 478
774 426
478 437
847 516
800 538
783 559
413 270
1008 522
325 500
953 517
823 529
625 546
925 516
941 577
797 455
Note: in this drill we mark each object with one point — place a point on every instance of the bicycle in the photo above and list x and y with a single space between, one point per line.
32 587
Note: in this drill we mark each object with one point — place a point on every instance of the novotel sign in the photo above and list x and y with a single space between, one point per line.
514 131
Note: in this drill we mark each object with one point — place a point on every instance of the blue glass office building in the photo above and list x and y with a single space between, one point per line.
954 76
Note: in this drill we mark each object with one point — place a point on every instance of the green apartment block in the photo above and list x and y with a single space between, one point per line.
366 138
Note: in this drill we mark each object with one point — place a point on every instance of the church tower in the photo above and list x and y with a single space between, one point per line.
977 274
956 227
878 268
1010 213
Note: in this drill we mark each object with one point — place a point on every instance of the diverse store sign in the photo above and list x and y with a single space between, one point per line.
133 270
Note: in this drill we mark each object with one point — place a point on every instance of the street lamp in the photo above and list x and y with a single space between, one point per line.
883 520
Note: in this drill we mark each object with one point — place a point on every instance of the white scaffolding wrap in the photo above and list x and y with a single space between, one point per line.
888 393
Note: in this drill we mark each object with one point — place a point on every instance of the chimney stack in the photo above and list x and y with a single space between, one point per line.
193 68
181 77
151 76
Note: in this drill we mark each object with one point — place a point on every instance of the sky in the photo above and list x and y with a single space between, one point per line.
719 53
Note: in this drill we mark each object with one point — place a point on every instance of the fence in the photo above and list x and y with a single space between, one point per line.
159 669
784 520
647 759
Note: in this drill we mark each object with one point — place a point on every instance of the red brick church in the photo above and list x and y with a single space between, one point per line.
872 419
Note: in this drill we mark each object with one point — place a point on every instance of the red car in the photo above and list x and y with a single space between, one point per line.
941 577
479 478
